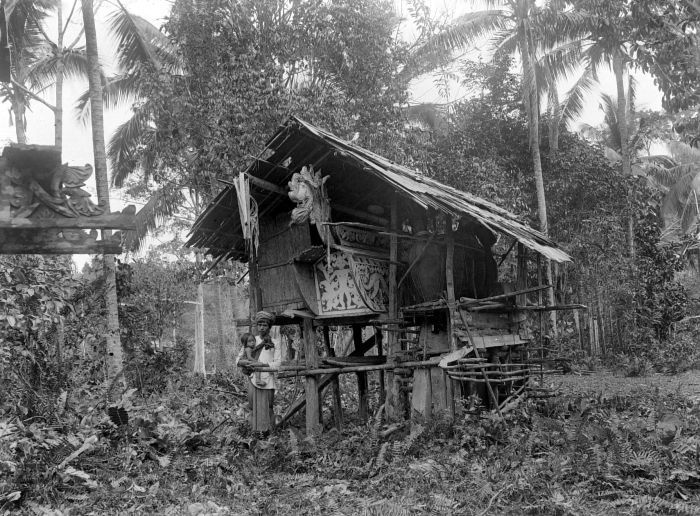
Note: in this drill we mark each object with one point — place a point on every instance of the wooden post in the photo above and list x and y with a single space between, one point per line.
313 409
521 275
222 363
199 352
378 337
254 279
337 406
450 280
362 386
393 398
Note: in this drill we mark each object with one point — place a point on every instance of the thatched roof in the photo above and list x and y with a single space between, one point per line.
359 178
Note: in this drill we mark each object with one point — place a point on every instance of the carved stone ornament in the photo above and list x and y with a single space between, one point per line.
44 208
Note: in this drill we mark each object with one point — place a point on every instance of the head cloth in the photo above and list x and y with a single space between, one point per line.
264 316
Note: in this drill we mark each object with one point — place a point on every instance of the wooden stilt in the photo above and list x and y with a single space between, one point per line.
450 281
362 385
380 352
324 381
337 406
393 399
313 408
422 396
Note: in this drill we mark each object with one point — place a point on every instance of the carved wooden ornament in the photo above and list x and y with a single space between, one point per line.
44 208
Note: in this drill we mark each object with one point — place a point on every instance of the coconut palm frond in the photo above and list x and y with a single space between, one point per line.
116 91
75 65
681 202
608 104
667 172
574 102
123 150
683 152
560 28
502 42
468 29
163 203
42 72
135 38
563 61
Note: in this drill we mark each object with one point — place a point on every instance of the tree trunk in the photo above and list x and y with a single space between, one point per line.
18 110
58 113
533 115
619 69
554 116
114 359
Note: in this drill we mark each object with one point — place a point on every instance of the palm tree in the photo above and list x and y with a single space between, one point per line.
532 32
26 40
141 50
57 62
114 357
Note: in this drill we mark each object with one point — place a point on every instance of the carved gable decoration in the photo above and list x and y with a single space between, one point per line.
45 210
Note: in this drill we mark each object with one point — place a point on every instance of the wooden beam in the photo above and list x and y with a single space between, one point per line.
98 247
311 387
333 371
267 185
107 221
466 302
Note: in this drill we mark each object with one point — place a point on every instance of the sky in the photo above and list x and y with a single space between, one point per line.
78 140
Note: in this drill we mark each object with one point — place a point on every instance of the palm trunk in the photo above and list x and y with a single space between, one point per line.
554 116
18 110
619 69
114 358
533 115
58 113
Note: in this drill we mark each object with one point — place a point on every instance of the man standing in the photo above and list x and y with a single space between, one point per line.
267 353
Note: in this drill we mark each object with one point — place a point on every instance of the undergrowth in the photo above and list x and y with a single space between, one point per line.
188 450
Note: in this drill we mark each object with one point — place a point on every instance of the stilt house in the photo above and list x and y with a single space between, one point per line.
336 235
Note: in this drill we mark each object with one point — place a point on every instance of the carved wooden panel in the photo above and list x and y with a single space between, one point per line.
371 279
361 238
351 284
